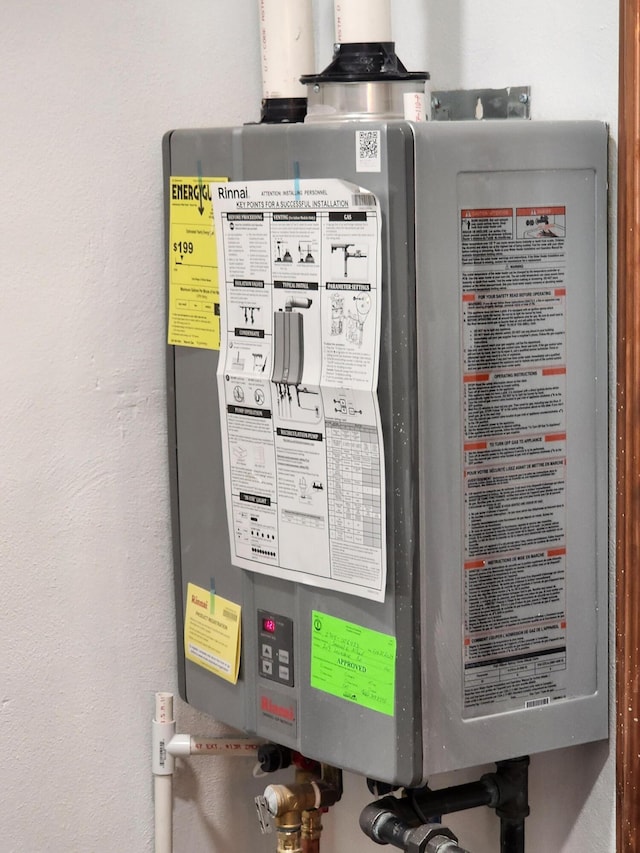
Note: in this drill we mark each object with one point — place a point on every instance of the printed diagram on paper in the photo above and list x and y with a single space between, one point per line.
513 264
299 272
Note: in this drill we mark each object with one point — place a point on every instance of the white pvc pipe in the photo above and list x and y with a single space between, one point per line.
163 813
362 20
166 744
164 708
185 745
163 730
286 46
240 748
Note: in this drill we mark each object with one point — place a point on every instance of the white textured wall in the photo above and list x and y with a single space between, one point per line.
86 611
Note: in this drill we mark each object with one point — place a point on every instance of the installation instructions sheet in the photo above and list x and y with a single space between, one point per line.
300 277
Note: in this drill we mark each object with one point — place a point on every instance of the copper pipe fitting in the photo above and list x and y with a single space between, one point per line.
311 831
288 840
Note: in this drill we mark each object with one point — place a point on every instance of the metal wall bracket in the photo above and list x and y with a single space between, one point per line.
464 104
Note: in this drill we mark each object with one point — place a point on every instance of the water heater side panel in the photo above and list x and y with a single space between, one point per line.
511 292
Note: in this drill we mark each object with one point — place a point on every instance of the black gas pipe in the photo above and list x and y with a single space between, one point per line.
393 820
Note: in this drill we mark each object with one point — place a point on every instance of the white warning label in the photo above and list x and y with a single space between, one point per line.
514 507
513 315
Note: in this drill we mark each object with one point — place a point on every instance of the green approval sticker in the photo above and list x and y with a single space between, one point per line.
353 662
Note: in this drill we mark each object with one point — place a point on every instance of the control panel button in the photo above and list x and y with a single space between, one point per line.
283 673
283 656
267 667
267 651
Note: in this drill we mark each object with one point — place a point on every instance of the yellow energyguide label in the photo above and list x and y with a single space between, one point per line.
194 301
212 635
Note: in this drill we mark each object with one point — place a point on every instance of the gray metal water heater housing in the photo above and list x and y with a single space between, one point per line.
497 564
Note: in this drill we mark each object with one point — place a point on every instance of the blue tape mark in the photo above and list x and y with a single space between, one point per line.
212 595
200 203
296 178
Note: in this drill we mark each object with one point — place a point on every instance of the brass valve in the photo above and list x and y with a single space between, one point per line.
299 797
296 810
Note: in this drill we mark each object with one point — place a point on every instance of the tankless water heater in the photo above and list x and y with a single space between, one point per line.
390 503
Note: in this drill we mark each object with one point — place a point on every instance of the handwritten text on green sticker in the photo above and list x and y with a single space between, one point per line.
353 663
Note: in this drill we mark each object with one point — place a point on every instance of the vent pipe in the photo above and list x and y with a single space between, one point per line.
362 21
365 80
287 51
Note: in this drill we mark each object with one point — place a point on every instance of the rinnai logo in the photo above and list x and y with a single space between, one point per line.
199 602
282 712
226 192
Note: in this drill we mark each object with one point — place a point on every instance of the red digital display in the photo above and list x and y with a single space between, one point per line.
269 625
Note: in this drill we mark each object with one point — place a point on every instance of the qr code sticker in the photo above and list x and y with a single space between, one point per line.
368 150
369 140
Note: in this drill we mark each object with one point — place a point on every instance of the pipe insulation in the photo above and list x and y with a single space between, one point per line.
362 21
287 47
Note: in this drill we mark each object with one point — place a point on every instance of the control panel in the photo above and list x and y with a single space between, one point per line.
275 647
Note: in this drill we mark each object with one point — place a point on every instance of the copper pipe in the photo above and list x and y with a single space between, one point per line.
311 831
628 436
